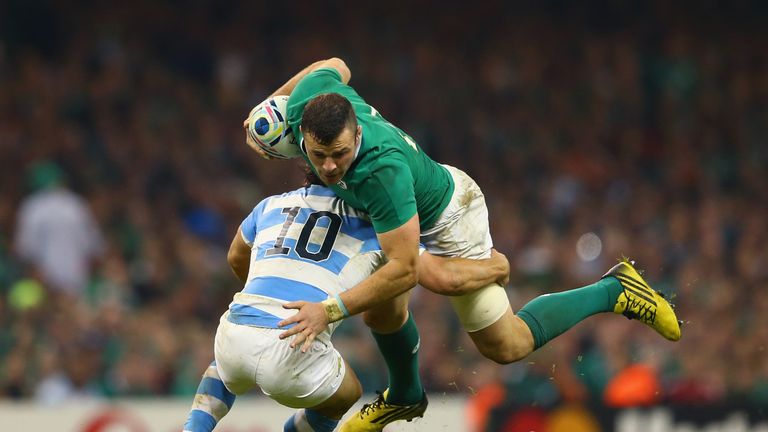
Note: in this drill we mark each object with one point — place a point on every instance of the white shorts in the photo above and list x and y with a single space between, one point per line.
253 356
462 230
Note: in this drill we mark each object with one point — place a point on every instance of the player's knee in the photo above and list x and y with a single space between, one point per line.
504 352
505 347
385 321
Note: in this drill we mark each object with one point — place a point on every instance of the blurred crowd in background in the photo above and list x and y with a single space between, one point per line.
595 131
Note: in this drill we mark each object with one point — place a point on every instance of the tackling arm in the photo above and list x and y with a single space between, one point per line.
458 276
398 275
287 88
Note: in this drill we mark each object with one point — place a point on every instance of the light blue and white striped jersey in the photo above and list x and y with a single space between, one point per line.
305 245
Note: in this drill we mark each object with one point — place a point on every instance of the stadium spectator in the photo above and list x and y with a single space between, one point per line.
56 232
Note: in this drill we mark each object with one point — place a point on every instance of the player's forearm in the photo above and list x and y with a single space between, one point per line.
287 88
331 63
391 280
471 275
459 276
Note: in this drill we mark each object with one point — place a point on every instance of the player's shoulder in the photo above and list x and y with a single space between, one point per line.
384 155
313 197
317 82
325 73
321 77
322 80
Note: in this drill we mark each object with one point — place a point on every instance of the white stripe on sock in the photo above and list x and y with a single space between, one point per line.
212 372
212 405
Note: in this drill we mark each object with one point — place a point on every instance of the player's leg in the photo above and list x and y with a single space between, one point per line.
213 399
550 315
212 402
512 337
318 382
462 231
505 341
500 335
504 337
325 416
397 337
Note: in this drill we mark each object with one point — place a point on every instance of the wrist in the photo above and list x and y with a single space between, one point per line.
334 309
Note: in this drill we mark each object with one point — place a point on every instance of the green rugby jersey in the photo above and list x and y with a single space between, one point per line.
391 177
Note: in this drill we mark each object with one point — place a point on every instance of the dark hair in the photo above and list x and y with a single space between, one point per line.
326 116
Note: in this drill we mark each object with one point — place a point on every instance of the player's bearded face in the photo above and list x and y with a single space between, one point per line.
332 161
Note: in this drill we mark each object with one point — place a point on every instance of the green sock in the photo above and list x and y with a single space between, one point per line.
401 352
549 315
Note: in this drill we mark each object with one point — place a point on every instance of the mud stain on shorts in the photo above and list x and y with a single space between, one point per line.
466 197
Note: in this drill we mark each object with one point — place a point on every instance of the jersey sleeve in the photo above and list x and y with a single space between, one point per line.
250 226
388 196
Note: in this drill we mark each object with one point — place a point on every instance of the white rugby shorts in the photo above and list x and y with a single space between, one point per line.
253 356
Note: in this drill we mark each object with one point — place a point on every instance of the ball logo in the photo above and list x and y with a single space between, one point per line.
269 130
262 128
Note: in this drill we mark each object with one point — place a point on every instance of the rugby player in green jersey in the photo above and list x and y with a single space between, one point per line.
376 167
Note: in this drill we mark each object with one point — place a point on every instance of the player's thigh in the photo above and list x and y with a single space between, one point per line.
506 340
388 316
480 309
300 380
237 350
348 393
462 230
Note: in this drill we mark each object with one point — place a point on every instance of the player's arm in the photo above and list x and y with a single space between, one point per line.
458 276
399 274
287 88
332 63
239 256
